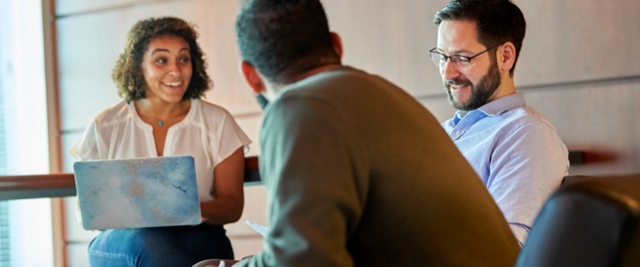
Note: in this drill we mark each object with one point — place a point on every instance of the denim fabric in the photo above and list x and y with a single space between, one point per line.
161 246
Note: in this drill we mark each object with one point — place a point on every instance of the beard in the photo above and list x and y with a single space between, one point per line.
480 93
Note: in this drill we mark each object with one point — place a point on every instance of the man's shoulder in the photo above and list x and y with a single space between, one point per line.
341 76
448 125
518 123
344 86
525 116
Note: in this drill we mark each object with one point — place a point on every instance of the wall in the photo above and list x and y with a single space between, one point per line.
578 67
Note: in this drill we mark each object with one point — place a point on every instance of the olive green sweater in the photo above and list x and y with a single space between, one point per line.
359 173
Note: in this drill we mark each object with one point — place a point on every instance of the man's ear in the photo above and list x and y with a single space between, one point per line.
506 56
336 41
252 77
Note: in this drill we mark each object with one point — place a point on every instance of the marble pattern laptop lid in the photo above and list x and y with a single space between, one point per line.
135 193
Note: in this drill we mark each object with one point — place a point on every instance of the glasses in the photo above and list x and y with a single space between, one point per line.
460 61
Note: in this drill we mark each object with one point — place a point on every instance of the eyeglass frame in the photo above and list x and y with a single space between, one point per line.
447 58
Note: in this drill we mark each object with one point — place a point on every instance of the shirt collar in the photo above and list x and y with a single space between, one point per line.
495 107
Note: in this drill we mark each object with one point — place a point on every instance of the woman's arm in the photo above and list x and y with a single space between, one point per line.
228 190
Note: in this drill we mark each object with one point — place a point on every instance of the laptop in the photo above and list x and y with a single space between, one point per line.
137 193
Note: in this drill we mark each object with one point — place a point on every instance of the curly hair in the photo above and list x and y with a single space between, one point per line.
127 73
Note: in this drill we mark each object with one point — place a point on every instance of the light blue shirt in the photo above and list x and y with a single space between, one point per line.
516 152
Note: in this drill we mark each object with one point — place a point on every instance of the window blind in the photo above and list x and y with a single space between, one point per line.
5 252
5 247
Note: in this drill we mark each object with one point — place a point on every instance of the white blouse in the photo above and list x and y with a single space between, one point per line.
208 133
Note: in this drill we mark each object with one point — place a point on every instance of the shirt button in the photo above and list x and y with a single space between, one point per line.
458 132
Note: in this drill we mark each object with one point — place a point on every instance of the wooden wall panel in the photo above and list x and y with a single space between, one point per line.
599 119
578 40
71 7
389 38
217 37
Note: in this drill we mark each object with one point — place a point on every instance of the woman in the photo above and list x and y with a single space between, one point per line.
161 76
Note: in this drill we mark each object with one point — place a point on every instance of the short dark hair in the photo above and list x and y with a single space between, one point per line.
498 21
283 38
127 73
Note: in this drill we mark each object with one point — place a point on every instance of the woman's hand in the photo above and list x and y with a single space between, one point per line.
228 191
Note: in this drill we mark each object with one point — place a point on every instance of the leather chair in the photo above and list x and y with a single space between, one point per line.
589 221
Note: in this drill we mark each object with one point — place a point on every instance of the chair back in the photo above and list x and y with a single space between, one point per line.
589 221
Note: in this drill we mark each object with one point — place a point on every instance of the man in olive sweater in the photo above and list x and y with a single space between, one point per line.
358 172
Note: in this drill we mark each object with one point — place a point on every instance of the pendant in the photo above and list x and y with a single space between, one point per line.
160 123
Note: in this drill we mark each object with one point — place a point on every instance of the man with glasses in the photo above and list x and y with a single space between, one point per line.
516 152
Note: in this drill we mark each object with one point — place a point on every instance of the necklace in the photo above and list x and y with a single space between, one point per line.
175 116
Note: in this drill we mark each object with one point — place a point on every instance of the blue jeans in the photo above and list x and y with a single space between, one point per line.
162 246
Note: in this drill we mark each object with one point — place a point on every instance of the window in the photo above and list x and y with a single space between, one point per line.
25 225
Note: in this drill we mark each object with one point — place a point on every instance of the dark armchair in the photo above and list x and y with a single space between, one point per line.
589 221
